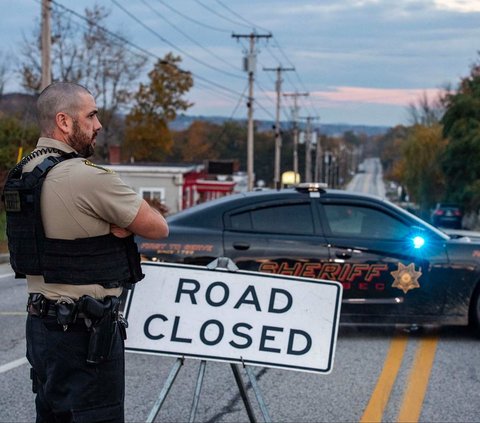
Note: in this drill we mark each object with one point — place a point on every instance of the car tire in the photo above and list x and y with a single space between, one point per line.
474 315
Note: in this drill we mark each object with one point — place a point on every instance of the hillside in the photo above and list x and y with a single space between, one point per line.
183 122
23 106
19 105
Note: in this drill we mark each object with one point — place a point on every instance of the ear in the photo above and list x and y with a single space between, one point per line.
64 122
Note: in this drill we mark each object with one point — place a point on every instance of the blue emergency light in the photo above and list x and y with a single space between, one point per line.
418 241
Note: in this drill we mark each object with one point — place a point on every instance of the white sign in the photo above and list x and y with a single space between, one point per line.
251 317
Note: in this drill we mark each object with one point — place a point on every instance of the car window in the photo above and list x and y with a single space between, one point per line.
276 219
364 222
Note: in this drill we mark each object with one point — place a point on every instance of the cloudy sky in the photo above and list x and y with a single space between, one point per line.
361 61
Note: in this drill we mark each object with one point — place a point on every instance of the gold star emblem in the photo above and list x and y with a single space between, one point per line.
406 277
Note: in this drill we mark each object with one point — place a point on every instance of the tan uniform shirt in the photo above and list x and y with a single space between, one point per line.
80 200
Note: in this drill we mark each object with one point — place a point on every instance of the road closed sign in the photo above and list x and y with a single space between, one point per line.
234 316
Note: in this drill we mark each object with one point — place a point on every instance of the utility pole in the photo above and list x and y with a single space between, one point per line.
46 44
308 149
249 66
295 128
318 160
278 135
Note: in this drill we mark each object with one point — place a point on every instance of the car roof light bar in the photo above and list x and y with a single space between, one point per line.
311 187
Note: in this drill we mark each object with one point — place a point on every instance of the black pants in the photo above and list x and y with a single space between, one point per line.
69 389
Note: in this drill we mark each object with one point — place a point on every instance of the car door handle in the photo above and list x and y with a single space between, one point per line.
241 245
343 254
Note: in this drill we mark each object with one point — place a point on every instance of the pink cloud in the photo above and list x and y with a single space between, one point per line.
390 96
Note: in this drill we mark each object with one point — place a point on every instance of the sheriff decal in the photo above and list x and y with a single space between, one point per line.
406 277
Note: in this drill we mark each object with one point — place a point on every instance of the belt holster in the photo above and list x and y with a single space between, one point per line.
104 316
37 305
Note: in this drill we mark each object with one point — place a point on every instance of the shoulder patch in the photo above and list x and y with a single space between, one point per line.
89 163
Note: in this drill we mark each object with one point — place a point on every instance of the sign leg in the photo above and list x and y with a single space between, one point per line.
258 394
166 388
198 388
243 393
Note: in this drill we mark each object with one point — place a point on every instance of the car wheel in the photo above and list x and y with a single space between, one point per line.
474 318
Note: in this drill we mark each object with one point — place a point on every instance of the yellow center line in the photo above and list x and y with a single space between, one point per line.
381 393
418 381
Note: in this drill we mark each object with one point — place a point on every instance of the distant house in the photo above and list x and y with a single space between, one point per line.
176 187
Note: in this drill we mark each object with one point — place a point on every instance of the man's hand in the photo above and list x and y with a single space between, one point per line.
118 231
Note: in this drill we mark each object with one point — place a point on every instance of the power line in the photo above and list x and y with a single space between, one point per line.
194 20
251 24
124 41
110 33
220 15
132 16
186 35
312 106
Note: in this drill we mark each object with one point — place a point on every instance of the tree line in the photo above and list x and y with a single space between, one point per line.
437 157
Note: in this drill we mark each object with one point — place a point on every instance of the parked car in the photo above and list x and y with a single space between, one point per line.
447 215
394 267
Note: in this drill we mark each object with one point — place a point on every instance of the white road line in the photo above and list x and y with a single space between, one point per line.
8 275
13 364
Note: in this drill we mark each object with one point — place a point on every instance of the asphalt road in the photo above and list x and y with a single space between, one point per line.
380 374
370 181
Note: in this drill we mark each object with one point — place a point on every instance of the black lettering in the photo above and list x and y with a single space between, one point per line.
190 291
254 300
226 293
294 332
204 328
266 337
237 332
146 326
271 305
174 337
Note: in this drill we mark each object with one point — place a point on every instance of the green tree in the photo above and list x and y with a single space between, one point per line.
147 136
461 161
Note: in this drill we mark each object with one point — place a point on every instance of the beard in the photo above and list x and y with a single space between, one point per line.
81 141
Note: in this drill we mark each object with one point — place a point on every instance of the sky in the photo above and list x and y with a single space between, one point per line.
362 62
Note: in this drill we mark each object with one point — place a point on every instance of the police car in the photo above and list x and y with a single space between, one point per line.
394 267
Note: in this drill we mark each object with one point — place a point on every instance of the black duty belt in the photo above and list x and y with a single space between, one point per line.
74 315
40 306
101 318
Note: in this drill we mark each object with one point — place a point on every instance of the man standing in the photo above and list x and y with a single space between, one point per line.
70 227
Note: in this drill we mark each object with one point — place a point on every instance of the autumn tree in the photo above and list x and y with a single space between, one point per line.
197 142
147 136
422 152
89 55
390 151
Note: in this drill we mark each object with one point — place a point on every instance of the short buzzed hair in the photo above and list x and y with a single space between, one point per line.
58 97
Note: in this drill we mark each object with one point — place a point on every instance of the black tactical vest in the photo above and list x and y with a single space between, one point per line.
105 260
